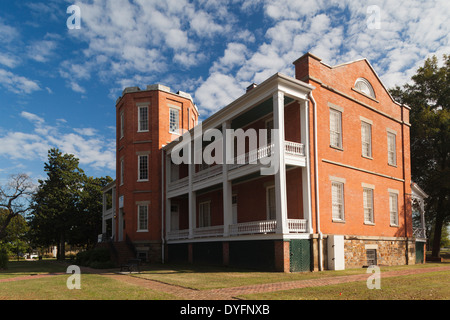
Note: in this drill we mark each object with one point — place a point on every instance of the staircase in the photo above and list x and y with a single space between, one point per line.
123 252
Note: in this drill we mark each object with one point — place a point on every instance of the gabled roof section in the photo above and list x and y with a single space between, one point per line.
374 72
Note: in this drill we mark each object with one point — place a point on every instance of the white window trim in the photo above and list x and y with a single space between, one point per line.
341 183
139 118
139 167
340 142
201 217
139 205
393 134
372 221
369 128
122 124
393 193
178 109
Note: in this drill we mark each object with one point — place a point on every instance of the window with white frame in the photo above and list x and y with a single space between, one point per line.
393 208
204 215
269 127
142 217
366 139
174 120
337 200
143 167
122 125
392 157
364 86
271 204
335 128
142 118
368 205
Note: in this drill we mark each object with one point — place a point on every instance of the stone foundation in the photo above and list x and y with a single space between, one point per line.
389 251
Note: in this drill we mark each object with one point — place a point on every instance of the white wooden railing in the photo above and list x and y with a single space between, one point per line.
253 227
294 148
420 233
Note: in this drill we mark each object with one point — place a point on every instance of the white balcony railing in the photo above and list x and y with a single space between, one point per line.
253 227
420 233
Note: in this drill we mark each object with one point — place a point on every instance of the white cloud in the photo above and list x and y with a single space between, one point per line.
86 143
17 84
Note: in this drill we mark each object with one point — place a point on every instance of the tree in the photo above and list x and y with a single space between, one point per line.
88 223
429 98
55 202
14 199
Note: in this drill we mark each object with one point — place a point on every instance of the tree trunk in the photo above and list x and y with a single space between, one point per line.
62 247
435 252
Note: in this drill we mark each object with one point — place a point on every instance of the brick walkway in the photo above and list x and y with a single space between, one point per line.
183 293
233 293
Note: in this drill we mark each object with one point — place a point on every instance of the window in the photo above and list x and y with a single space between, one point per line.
204 216
143 167
337 201
371 255
368 205
121 171
393 208
174 122
365 87
336 128
142 218
392 158
271 204
122 125
143 119
366 139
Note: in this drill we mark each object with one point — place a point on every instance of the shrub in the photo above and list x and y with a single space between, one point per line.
98 258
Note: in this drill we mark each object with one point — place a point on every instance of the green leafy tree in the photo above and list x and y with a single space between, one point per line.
15 240
55 201
428 95
88 223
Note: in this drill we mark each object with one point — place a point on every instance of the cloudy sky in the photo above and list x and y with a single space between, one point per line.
58 86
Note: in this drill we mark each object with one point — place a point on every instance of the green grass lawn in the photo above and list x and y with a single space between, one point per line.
98 287
206 278
429 286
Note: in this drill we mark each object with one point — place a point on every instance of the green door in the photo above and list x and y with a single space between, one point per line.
419 251
300 255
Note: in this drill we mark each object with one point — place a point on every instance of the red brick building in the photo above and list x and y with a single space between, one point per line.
339 194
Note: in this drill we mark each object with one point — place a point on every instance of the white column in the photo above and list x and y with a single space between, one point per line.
280 175
191 194
306 171
168 200
226 184
103 213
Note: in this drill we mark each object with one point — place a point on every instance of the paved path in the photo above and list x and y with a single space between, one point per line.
183 293
234 292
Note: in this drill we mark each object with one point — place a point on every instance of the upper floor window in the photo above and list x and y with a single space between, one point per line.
365 87
392 158
143 119
174 121
335 128
366 139
122 125
143 167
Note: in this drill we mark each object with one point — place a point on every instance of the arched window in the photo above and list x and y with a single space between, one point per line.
365 87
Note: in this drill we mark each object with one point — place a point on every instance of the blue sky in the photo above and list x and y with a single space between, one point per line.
58 87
